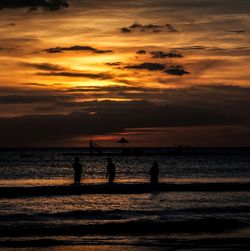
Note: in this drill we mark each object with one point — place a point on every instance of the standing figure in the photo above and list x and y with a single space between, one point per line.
110 171
77 166
154 173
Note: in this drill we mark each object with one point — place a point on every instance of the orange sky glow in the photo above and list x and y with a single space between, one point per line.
111 69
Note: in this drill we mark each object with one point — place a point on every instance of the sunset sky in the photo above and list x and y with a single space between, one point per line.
158 72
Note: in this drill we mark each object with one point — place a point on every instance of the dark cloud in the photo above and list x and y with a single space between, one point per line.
123 92
31 99
108 117
54 50
27 89
126 30
186 107
11 24
36 84
100 76
176 70
105 105
57 70
151 28
141 52
237 31
114 64
198 7
171 28
147 66
77 48
220 51
224 96
161 54
167 8
51 5
45 66
197 47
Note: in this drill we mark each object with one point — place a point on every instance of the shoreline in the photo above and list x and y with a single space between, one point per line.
59 190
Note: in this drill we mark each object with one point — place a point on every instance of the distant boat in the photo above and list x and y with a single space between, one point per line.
93 147
123 141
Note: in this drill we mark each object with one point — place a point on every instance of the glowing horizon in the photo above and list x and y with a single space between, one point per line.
82 70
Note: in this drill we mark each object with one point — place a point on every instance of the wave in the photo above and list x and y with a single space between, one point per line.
118 214
76 214
7 192
41 243
213 225
235 243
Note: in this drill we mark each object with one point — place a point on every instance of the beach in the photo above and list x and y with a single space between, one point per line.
124 125
204 205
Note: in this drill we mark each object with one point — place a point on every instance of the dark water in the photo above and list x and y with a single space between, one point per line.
52 164
150 221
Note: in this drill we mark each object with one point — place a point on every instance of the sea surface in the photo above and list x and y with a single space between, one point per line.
176 220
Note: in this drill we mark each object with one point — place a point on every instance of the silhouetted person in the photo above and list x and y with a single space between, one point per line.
154 173
110 171
77 166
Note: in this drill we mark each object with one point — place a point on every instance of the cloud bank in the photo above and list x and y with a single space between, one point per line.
51 5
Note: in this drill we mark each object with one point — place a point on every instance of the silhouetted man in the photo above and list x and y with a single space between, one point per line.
110 171
77 166
154 173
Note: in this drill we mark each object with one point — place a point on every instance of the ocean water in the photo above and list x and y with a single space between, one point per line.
176 220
